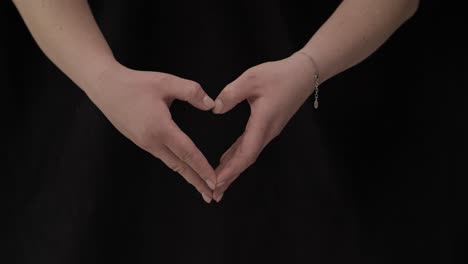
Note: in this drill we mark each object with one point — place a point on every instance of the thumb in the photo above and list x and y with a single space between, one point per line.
192 93
230 96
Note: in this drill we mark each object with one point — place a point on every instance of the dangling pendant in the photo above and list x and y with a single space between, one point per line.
316 90
316 96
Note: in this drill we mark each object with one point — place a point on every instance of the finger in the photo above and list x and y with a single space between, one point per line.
225 159
249 146
229 151
177 165
193 93
183 147
221 187
240 158
234 93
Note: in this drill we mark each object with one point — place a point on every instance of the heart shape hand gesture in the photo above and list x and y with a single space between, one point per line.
137 103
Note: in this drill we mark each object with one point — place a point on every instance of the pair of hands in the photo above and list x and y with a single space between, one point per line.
137 103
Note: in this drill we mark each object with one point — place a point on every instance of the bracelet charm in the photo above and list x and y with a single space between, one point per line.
316 104
316 77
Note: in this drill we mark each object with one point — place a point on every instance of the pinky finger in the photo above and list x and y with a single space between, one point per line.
177 165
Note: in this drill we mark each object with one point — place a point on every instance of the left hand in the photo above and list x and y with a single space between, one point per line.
275 91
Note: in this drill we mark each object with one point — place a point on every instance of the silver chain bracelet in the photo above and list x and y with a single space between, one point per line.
316 77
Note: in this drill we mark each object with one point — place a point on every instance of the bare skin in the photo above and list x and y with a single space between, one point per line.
355 30
134 100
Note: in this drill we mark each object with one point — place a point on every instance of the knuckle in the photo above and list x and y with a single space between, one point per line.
227 182
249 156
251 159
250 75
232 92
224 183
199 189
252 79
227 94
193 90
187 156
178 167
196 86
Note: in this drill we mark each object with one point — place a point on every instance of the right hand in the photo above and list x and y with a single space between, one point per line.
137 103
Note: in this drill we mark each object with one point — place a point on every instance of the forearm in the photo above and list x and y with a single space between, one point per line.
67 33
354 31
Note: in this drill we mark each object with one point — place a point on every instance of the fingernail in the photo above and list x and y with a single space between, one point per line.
218 106
208 101
211 184
206 198
219 197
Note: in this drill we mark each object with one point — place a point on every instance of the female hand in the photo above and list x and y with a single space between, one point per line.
137 104
275 91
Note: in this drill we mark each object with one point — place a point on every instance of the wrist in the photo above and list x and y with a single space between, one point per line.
326 67
312 64
100 75
315 71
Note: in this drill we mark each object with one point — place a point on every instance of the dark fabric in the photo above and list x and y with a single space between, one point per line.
340 185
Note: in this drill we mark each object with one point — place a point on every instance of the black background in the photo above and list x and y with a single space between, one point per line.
398 128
